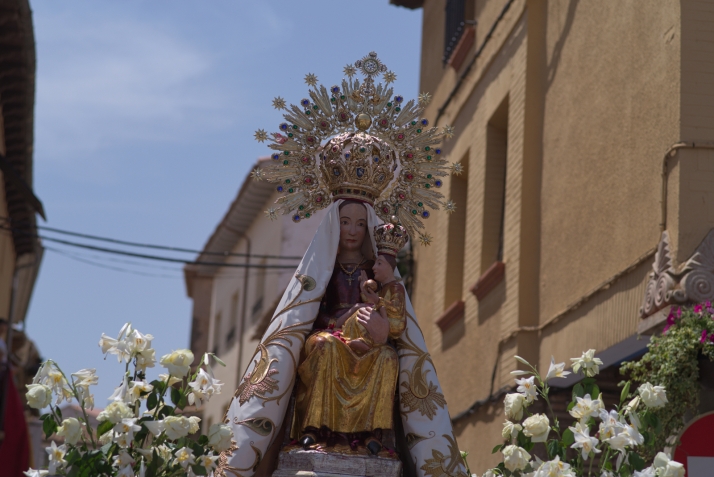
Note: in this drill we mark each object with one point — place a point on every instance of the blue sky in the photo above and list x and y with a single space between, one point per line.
144 121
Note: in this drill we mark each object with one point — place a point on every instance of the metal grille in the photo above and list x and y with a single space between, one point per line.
454 28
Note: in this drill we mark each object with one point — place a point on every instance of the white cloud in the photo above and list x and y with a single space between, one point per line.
120 80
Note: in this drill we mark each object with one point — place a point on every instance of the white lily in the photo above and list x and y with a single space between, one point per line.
589 364
556 370
586 407
528 388
119 393
184 457
155 427
56 454
86 377
127 426
583 441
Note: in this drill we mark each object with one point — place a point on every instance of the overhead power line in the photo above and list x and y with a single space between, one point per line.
153 257
154 246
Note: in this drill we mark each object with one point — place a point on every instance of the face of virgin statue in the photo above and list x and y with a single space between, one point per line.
353 227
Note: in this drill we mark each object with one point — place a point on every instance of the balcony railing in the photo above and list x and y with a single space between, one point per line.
454 27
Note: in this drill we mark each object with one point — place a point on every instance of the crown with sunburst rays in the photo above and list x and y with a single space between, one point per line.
358 141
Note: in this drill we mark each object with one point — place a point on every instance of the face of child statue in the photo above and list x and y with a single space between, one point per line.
353 227
383 271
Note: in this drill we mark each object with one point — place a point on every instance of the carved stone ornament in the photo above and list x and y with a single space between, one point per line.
691 282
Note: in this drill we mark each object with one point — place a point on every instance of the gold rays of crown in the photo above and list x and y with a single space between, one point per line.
390 237
359 141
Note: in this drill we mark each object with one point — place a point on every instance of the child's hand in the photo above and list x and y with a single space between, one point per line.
368 293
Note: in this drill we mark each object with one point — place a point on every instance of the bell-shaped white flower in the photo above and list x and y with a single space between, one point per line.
554 468
119 393
586 407
178 362
56 454
184 457
115 412
666 467
204 386
588 363
155 427
208 461
556 370
86 377
38 396
36 473
583 441
137 390
123 459
528 388
127 426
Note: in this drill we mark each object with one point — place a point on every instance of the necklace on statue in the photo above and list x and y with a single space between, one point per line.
349 273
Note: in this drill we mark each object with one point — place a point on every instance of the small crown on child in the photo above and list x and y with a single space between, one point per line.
390 237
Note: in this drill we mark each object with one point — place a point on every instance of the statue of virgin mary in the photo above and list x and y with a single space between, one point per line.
368 157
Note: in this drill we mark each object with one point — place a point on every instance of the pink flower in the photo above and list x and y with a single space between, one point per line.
671 320
703 339
698 308
679 312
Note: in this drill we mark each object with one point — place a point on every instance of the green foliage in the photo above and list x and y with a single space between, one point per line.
672 361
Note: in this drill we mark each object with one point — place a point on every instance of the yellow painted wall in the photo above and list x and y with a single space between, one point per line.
597 92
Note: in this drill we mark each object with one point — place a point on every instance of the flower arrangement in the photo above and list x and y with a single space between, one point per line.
610 437
673 359
127 442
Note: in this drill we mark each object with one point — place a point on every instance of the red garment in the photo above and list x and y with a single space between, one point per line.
15 449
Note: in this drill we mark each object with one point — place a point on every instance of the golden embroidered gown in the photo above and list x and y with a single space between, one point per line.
337 388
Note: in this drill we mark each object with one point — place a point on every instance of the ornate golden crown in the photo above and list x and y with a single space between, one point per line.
358 141
390 238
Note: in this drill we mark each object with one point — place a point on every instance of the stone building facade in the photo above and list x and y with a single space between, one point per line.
585 132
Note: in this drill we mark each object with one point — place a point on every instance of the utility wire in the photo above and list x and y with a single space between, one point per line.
153 257
154 246
108 267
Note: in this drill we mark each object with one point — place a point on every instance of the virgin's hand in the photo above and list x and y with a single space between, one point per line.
341 320
375 324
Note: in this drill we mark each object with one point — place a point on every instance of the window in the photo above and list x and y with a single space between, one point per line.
217 334
234 320
454 28
259 291
459 14
457 236
495 187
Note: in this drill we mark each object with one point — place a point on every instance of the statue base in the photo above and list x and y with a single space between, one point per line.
333 462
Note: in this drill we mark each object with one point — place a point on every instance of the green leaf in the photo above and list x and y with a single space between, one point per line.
595 391
59 413
166 411
625 392
183 401
104 427
198 469
578 391
553 447
637 462
203 440
152 400
49 426
495 449
568 438
175 396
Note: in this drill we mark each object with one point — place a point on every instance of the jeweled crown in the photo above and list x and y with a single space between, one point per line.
358 141
390 237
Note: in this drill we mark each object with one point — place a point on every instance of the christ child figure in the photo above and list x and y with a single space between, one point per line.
390 301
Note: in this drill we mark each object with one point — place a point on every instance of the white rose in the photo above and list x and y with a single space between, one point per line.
537 427
193 424
115 412
106 438
515 458
514 406
71 430
665 467
489 473
38 396
176 427
178 362
220 437
510 430
653 396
